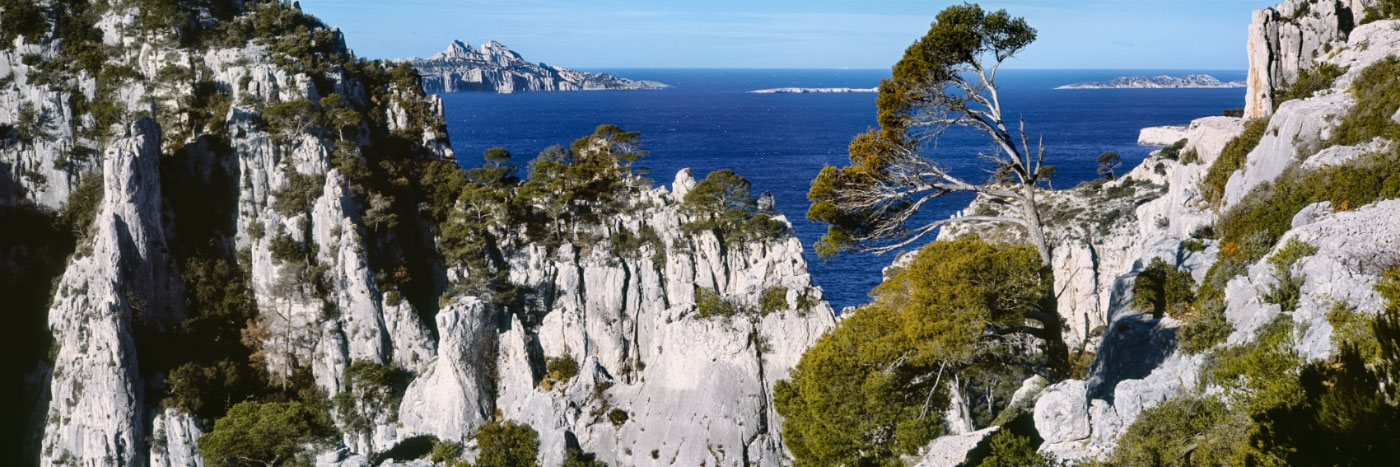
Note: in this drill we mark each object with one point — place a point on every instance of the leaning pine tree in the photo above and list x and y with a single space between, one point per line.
947 79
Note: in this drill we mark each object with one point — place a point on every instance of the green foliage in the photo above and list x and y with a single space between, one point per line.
1182 432
581 185
575 457
445 452
1231 158
710 304
1011 450
618 417
82 205
722 203
559 369
1193 245
1263 373
1172 151
507 444
869 390
1161 288
285 249
867 204
370 386
1285 291
1377 94
299 195
1309 82
22 18
287 121
773 299
1206 329
261 434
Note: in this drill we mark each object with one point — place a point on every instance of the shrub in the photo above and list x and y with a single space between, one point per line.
806 301
1161 288
618 417
285 249
1181 432
257 433
709 304
1377 94
774 299
1205 330
1193 245
560 369
1309 82
82 205
1231 158
299 195
374 385
1190 157
1011 450
1171 151
1285 291
722 203
445 452
1263 373
1236 112
507 444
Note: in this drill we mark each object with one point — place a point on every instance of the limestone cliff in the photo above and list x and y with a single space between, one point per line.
231 201
495 68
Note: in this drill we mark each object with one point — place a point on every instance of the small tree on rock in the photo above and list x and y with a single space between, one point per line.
265 434
1109 161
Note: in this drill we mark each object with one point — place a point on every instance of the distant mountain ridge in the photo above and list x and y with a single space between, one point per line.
495 68
1192 81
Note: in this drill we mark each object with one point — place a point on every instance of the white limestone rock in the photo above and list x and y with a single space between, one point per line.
1162 135
175 440
952 450
451 399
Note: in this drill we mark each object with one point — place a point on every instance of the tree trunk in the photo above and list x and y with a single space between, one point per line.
1031 211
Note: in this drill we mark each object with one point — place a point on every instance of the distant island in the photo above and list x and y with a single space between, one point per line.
1194 81
495 68
811 90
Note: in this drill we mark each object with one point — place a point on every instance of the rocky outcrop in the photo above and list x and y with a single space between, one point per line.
495 68
1196 81
1290 38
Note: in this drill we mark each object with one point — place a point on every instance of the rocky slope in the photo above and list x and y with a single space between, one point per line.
262 208
495 68
1138 362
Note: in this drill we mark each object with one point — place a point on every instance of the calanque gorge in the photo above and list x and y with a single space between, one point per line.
226 240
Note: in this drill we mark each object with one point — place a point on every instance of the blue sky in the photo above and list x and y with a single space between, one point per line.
1172 34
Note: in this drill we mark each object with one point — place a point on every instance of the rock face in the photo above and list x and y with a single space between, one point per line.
290 205
1293 37
495 68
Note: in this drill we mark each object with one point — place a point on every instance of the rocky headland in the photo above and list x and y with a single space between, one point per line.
1196 81
495 68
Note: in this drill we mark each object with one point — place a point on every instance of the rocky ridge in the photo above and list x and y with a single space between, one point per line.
495 68
693 389
1195 81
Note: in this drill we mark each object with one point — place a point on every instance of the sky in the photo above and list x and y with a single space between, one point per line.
1112 34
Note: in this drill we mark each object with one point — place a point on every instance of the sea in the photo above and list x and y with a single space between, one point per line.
708 120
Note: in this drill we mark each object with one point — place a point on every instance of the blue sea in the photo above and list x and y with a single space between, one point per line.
707 121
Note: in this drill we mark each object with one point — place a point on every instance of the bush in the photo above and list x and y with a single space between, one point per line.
1205 330
1377 94
1182 432
560 369
774 299
722 203
285 249
709 304
299 195
618 417
1285 291
1309 82
1193 245
445 453
1232 157
1161 288
1171 151
1261 374
507 444
370 386
271 433
1011 450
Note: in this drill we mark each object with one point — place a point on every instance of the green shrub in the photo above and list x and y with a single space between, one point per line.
1262 373
774 299
1285 291
1161 288
1171 151
1377 94
1193 245
1206 329
1011 450
82 205
806 300
1182 432
285 249
445 453
709 304
560 369
272 433
507 444
618 417
722 203
1309 82
299 195
1232 157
